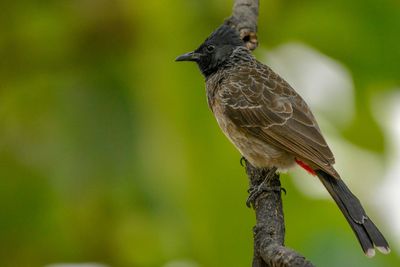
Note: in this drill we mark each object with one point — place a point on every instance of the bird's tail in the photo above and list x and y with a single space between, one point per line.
367 233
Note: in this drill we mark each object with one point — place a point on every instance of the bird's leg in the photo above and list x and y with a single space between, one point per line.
256 190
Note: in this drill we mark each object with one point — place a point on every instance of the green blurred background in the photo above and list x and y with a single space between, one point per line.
109 154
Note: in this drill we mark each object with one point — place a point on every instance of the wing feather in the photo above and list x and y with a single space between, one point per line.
265 106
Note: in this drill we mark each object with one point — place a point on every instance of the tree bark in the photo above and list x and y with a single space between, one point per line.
244 18
269 232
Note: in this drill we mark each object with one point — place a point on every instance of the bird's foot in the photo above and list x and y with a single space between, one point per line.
256 191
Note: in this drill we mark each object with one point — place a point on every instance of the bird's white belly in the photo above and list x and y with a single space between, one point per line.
259 153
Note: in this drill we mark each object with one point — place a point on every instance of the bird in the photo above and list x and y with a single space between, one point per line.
271 125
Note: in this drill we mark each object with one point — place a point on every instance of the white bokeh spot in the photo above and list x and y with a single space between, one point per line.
387 111
324 83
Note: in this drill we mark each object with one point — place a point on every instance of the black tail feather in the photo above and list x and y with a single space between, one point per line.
377 237
367 233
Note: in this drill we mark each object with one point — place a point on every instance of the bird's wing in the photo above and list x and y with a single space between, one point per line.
264 105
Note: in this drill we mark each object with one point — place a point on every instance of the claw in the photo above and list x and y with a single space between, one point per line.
242 159
253 194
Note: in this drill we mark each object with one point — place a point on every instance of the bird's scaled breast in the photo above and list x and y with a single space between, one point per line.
257 152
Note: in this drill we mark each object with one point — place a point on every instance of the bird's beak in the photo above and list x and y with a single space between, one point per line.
191 56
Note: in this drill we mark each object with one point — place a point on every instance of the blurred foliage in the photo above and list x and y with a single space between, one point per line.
108 152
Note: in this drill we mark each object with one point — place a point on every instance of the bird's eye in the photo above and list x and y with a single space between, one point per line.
210 48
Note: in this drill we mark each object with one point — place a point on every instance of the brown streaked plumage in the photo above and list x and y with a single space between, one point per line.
271 125
261 106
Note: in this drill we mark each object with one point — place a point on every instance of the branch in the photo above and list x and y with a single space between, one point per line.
244 18
269 232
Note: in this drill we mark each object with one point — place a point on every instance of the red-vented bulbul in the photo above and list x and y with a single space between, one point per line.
271 125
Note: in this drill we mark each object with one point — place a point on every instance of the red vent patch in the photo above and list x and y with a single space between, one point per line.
305 166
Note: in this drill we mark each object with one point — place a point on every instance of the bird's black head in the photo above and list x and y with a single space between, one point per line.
214 53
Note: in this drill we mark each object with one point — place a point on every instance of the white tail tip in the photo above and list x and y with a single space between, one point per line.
384 250
370 252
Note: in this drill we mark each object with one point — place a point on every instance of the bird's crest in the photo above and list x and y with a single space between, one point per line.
225 35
